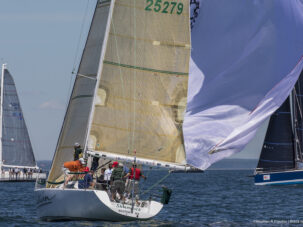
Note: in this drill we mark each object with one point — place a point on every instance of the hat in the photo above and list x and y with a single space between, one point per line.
86 169
77 144
82 161
115 164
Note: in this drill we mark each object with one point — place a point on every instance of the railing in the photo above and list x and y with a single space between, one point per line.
18 176
40 180
272 169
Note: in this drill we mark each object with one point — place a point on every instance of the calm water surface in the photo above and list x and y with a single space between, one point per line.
213 198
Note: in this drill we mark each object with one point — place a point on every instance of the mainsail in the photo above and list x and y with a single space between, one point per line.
16 147
141 95
139 54
278 147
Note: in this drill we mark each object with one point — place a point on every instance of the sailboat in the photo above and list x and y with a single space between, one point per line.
281 160
17 161
127 104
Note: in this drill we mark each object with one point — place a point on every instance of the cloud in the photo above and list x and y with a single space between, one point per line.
52 105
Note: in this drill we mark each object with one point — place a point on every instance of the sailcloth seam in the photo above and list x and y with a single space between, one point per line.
145 69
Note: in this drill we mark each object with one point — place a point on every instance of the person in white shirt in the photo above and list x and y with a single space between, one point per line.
108 173
17 172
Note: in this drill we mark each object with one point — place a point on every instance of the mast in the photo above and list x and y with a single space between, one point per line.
1 114
297 156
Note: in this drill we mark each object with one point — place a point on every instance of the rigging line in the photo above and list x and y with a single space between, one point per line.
135 72
300 111
156 184
122 82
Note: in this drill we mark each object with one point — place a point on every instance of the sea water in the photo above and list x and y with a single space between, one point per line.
212 198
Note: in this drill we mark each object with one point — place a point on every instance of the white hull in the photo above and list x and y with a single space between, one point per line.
71 204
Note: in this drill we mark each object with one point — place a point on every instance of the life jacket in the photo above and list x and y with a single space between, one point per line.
137 174
73 166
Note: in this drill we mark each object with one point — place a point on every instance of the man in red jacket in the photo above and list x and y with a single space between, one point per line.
134 176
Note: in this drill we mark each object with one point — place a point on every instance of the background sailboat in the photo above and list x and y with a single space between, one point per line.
16 153
129 94
281 160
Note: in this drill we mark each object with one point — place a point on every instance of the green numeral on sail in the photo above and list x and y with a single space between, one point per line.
158 5
166 4
180 8
149 4
173 6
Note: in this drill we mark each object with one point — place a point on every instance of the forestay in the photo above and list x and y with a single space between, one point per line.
74 128
246 58
141 95
16 146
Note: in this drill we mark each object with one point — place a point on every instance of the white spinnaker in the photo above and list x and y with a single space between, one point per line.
246 57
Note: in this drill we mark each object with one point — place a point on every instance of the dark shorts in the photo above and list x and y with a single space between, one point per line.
118 186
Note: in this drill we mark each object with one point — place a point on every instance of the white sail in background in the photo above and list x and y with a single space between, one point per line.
16 147
246 57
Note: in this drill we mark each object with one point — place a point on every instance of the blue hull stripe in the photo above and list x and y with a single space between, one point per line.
276 178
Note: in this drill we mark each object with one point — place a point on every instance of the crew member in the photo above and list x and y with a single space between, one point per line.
134 176
74 166
116 178
87 180
78 153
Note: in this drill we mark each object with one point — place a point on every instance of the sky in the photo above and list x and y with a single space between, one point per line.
42 42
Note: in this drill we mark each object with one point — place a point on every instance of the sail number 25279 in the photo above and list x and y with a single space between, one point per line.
164 7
